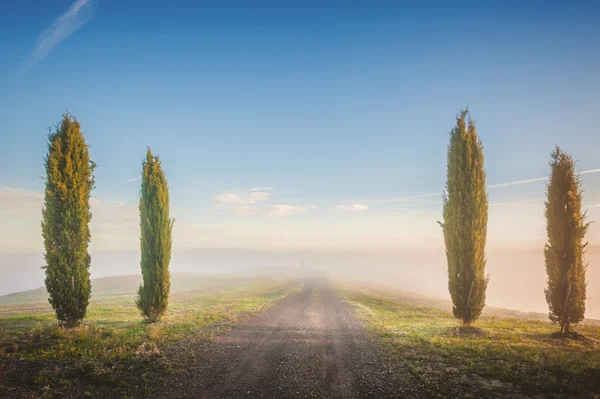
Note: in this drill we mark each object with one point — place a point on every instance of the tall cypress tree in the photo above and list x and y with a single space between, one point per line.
66 217
465 220
564 251
156 227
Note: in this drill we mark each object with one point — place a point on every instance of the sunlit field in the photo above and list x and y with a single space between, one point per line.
507 352
114 350
115 353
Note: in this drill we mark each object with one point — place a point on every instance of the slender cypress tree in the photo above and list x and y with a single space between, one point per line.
156 227
564 252
66 217
465 220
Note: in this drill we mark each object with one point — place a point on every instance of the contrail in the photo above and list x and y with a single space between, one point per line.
514 183
511 183
585 172
80 12
133 179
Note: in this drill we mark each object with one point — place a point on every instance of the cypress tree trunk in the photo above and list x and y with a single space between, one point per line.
156 227
564 251
465 220
66 217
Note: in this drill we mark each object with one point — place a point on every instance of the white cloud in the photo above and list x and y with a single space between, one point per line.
251 196
80 12
248 202
349 208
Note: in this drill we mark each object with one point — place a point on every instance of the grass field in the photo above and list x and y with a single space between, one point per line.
508 352
115 349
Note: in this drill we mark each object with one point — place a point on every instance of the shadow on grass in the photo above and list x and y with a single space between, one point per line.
571 335
464 331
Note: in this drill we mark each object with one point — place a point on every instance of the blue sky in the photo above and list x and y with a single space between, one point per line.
293 127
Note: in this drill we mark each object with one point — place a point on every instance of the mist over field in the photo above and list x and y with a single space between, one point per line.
422 272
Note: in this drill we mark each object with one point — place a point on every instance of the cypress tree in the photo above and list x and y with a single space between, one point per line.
465 220
66 217
564 252
156 227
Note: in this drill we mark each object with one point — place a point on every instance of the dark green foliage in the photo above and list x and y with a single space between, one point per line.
465 220
564 252
156 227
66 217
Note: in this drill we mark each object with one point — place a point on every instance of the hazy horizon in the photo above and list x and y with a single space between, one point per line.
416 271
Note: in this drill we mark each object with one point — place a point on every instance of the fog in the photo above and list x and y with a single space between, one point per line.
517 277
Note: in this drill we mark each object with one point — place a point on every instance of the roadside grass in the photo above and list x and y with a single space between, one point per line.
501 354
114 349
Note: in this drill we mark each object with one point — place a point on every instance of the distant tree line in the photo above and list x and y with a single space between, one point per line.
66 217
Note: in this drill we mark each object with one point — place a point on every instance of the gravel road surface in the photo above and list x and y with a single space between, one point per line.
309 345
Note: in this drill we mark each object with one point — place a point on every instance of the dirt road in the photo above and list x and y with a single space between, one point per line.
309 345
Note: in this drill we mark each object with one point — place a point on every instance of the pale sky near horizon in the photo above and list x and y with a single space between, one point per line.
320 128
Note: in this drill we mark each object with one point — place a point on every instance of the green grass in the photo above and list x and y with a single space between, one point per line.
114 346
505 353
125 287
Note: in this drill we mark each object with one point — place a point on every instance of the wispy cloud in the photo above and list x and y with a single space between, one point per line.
246 197
80 12
349 208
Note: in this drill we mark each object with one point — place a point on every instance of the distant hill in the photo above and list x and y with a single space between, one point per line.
123 287
22 271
